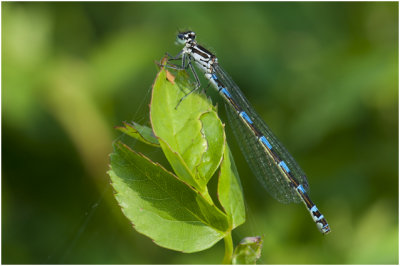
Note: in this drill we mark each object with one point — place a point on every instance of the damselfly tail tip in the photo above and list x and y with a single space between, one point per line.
325 229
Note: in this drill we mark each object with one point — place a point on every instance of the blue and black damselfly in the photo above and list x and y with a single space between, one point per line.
269 160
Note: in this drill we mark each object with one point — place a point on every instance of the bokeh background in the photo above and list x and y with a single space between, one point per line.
323 75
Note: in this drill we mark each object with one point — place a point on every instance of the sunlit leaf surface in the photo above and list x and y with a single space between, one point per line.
176 211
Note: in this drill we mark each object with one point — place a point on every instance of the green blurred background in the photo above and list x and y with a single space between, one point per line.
324 76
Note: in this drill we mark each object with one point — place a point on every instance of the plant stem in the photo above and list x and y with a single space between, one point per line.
228 249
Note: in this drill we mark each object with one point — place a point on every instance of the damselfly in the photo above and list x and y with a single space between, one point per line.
269 160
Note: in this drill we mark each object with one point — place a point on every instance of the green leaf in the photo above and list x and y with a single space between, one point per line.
139 132
179 166
163 207
176 211
213 131
248 251
194 134
230 193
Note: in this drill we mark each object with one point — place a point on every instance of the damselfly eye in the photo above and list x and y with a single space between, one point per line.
181 36
186 36
180 39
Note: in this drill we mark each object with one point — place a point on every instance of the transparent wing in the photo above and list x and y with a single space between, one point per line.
261 163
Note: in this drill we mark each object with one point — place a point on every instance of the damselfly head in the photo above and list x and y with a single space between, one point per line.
185 37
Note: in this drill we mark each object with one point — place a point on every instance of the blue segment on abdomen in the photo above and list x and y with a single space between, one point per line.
284 166
227 94
300 187
246 117
314 208
265 141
